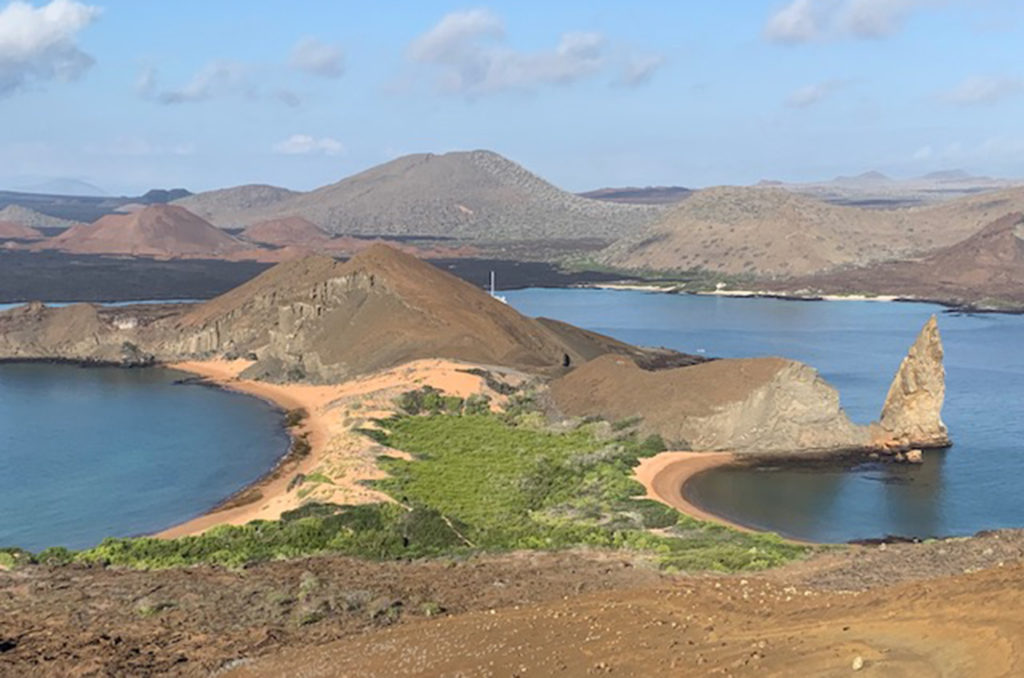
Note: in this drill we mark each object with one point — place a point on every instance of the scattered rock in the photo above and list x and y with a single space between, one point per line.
858 663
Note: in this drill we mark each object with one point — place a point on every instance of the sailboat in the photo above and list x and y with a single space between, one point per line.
494 292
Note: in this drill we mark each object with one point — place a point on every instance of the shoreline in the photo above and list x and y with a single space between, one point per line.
340 458
664 475
272 484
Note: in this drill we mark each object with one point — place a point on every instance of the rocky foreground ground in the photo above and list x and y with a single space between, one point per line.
948 607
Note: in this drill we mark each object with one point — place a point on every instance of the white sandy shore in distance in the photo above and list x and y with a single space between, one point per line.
672 289
340 458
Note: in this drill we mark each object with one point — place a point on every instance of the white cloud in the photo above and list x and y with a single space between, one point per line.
923 153
640 68
803 21
38 43
304 144
217 78
467 48
812 94
799 21
315 57
984 90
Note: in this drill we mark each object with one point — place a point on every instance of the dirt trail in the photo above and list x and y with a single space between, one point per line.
968 625
340 459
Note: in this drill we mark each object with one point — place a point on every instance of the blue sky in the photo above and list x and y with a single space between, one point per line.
129 95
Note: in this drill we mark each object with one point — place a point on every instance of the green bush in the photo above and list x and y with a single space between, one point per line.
476 481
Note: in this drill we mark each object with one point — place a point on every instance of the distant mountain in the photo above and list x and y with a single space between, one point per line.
984 269
162 231
224 206
650 195
775 233
10 230
287 231
470 195
58 186
156 196
29 217
872 177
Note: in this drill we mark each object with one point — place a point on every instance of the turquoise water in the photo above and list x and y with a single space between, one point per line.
87 453
857 346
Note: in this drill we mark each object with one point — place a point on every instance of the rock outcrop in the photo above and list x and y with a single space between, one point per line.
912 414
763 405
749 405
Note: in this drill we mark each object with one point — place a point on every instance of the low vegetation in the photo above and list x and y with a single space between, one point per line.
477 481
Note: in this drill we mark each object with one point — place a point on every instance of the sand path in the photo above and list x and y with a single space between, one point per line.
340 458
664 475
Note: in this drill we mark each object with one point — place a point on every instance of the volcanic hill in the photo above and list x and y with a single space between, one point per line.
985 270
160 231
11 230
286 231
26 216
320 320
216 206
774 233
470 195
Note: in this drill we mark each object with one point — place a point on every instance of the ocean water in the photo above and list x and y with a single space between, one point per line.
87 453
856 346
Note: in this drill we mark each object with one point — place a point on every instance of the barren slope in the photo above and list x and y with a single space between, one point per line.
322 320
477 194
155 231
286 231
770 232
219 205
13 230
985 269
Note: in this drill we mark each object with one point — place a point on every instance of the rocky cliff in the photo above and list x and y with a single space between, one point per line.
761 405
912 414
750 405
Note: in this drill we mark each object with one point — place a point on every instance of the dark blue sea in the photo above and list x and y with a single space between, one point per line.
857 346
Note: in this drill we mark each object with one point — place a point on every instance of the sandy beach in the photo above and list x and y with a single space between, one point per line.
664 475
340 459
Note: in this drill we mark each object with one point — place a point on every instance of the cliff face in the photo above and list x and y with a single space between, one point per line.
761 405
754 405
912 414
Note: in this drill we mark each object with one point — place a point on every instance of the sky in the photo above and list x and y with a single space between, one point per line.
131 95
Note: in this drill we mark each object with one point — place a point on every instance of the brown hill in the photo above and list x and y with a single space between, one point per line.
286 231
470 195
321 320
162 231
214 206
986 269
31 218
10 230
770 232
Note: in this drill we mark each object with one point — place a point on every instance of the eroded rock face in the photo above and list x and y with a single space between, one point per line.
912 414
745 405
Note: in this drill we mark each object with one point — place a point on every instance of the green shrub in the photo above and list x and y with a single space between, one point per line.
476 481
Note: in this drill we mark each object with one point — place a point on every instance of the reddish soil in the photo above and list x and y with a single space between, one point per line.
162 231
14 231
950 608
